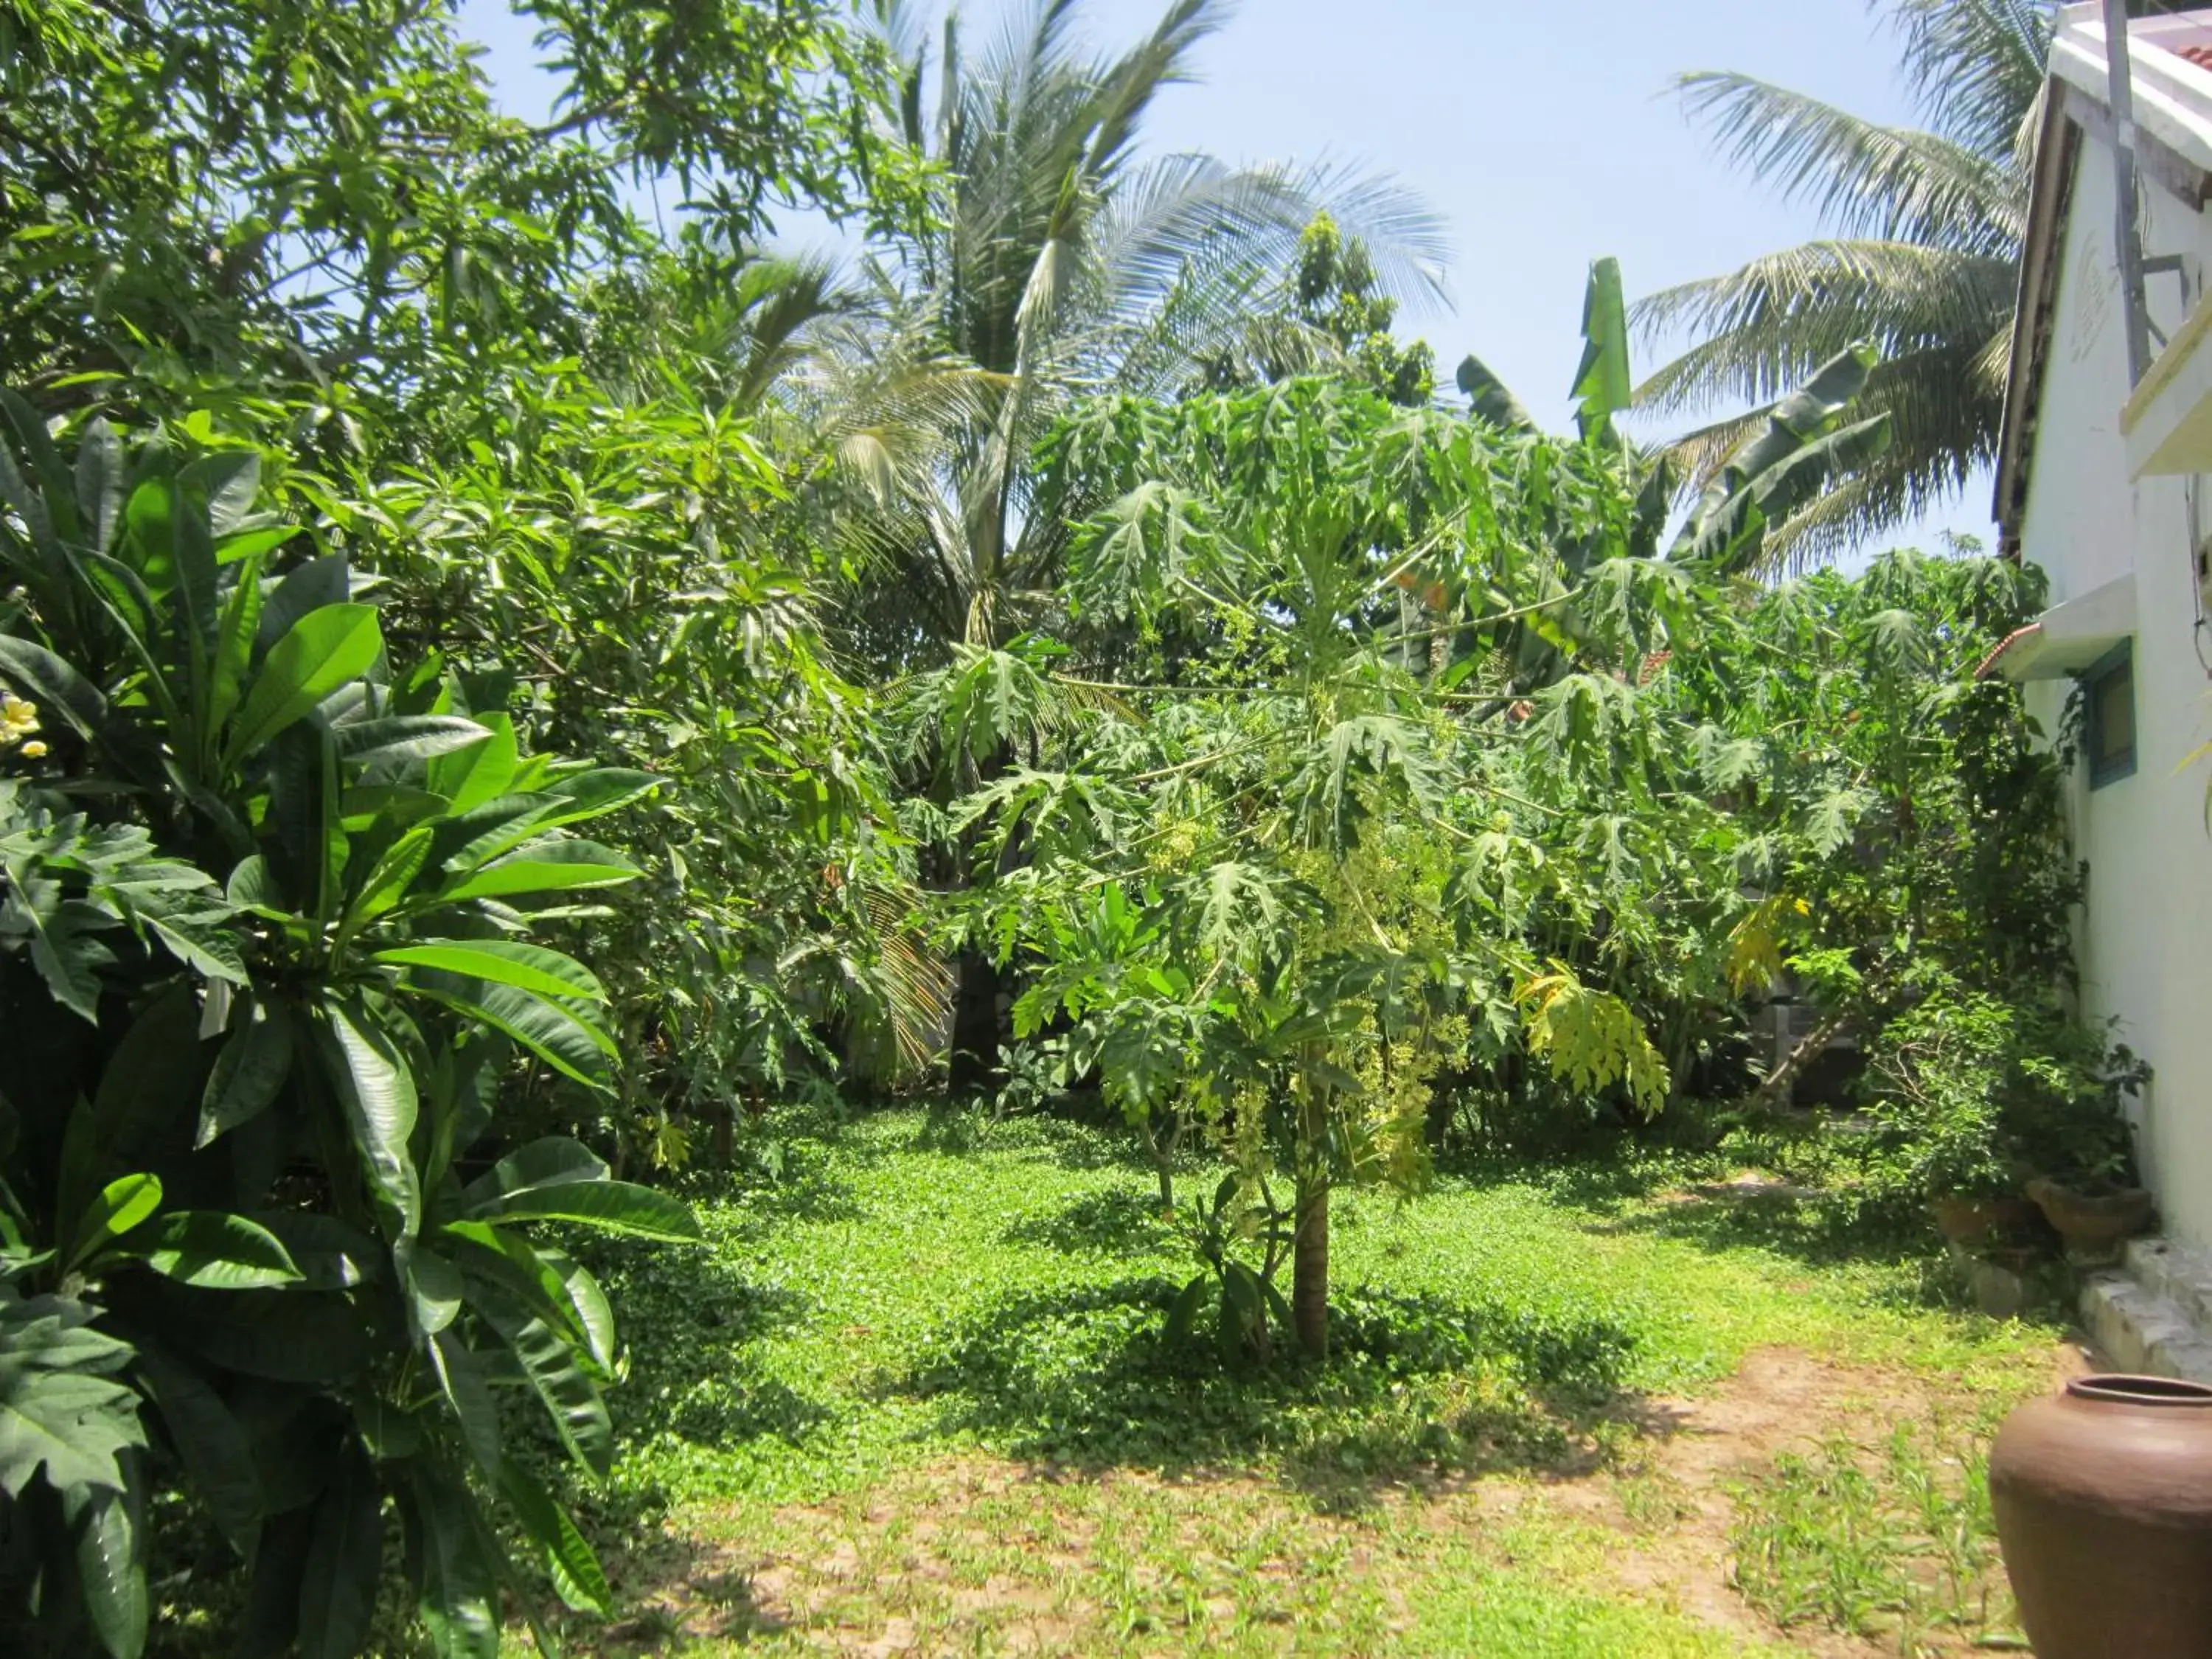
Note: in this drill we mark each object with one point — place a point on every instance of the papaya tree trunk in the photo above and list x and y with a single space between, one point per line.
1162 1138
1309 1262
1309 1217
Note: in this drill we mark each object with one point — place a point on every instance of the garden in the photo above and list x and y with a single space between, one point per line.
1016 945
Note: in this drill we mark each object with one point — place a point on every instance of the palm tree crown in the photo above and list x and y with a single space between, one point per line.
1062 264
1923 262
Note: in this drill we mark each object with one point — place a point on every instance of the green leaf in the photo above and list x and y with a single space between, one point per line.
545 1280
203 941
587 1303
473 775
502 962
460 1371
237 544
331 1254
99 482
213 1447
1490 398
571 1398
288 1335
407 737
394 874
65 946
1182 1317
60 1412
557 866
249 1073
434 1290
557 1033
269 1624
578 1578
1603 385
228 481
234 648
324 650
459 1594
601 790
394 805
215 1249
121 1204
611 1206
111 1564
378 1092
551 1161
345 1561
44 678
322 582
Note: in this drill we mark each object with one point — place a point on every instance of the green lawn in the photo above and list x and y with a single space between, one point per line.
916 1396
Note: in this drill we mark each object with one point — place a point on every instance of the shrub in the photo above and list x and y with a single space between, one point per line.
1975 1093
267 911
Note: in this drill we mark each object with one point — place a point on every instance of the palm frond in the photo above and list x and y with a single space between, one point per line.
1923 263
1977 65
1408 243
1944 412
1162 60
1769 325
1867 181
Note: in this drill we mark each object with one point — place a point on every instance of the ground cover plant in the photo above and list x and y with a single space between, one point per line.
922 1394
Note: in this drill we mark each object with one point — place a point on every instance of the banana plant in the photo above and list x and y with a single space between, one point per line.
270 921
1780 462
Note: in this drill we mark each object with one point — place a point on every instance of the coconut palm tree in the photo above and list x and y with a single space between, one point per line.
1923 263
1063 263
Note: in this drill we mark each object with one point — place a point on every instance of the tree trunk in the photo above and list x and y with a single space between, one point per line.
974 1065
1309 1264
1775 1089
1164 1143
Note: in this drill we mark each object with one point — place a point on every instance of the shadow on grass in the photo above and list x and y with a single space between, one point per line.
1118 1221
670 1590
1416 1389
690 1327
1726 1201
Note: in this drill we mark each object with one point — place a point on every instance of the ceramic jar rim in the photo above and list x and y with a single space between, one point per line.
2119 1389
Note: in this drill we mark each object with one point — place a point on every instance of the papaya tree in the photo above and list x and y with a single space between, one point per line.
1268 899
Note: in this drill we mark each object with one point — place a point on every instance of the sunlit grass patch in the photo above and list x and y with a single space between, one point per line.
1892 1541
918 1393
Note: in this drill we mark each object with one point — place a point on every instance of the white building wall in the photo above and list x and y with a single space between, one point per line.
2146 938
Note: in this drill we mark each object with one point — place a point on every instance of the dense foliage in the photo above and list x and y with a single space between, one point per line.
266 949
1071 652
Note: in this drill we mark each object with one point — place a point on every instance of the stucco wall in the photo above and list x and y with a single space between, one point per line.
2146 938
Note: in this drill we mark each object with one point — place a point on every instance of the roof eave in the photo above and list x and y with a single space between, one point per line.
2057 143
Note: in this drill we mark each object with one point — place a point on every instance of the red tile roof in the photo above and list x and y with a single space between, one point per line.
1989 663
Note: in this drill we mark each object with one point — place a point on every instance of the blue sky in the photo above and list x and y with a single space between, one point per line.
1543 134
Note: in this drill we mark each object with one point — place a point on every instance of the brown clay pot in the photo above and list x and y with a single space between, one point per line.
1976 1221
2103 1497
2090 1223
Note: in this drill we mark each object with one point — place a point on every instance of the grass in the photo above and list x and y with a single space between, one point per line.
914 1395
1895 1542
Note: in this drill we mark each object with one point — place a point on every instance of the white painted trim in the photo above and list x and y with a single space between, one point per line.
2071 636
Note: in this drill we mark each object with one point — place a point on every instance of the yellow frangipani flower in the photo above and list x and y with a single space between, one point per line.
33 751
